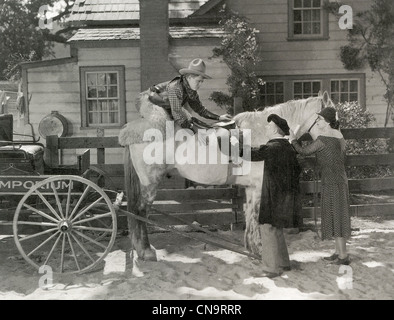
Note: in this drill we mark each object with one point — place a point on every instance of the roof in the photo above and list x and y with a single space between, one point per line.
92 34
85 11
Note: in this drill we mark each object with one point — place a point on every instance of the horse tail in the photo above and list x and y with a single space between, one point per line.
132 182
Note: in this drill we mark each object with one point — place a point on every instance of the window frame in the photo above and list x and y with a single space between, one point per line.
275 82
324 32
325 83
120 70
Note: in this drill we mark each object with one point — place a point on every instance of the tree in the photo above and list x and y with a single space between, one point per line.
239 51
371 41
21 38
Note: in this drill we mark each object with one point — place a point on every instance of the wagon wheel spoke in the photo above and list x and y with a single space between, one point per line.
93 228
79 202
96 217
42 214
37 234
71 235
43 244
59 203
68 198
53 248
48 205
73 252
91 240
62 254
82 247
86 209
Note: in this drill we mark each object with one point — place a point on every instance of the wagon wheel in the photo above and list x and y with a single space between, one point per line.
71 229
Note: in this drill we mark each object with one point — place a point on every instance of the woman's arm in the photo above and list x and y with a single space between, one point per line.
312 148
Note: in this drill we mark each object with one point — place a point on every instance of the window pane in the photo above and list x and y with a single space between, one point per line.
102 106
335 86
307 3
297 15
307 15
270 100
280 99
344 97
92 105
316 87
307 28
316 3
91 79
101 79
112 92
316 15
296 97
297 88
344 86
113 117
102 92
270 87
297 28
353 86
307 88
92 92
113 105
335 97
353 97
112 78
297 3
279 87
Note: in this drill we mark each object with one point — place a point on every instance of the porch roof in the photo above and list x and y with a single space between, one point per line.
104 34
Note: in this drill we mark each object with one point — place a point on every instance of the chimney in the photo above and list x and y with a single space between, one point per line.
154 43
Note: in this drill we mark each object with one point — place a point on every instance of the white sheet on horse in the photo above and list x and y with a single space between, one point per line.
206 165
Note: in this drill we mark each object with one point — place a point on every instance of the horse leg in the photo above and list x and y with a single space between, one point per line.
140 196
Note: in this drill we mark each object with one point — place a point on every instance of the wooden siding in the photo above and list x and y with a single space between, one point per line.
283 57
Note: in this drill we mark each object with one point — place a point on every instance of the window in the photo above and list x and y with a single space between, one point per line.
306 89
271 93
103 91
307 20
345 90
341 87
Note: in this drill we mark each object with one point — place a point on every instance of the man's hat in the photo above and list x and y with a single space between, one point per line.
280 122
197 67
330 114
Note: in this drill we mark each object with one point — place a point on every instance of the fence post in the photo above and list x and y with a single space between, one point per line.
52 148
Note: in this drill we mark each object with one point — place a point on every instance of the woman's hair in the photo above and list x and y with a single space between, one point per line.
334 124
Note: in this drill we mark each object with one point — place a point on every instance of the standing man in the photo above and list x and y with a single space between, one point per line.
280 203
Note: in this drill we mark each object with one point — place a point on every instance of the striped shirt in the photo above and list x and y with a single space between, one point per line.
180 93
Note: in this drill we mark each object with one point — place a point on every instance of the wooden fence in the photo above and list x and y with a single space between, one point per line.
198 204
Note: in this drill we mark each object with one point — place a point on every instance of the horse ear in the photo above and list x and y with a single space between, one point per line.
326 98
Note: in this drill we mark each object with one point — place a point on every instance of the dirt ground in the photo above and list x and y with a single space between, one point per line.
188 269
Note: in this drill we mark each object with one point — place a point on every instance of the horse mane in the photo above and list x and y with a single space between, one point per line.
291 111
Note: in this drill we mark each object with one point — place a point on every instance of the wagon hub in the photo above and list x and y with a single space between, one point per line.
65 226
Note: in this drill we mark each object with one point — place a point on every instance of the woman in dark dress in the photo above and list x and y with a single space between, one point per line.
280 205
329 146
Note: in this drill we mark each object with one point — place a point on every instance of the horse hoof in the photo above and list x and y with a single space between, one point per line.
150 255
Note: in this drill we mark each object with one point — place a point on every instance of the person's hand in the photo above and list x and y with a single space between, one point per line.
292 136
225 117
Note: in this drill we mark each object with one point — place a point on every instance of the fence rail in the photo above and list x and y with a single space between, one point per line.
54 144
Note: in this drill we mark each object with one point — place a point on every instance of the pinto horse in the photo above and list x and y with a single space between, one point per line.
143 176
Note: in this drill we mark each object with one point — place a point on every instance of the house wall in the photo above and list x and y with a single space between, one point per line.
57 88
313 57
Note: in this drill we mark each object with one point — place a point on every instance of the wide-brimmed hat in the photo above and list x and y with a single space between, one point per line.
280 122
197 67
329 113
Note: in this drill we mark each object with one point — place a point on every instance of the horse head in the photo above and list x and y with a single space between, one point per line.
299 114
